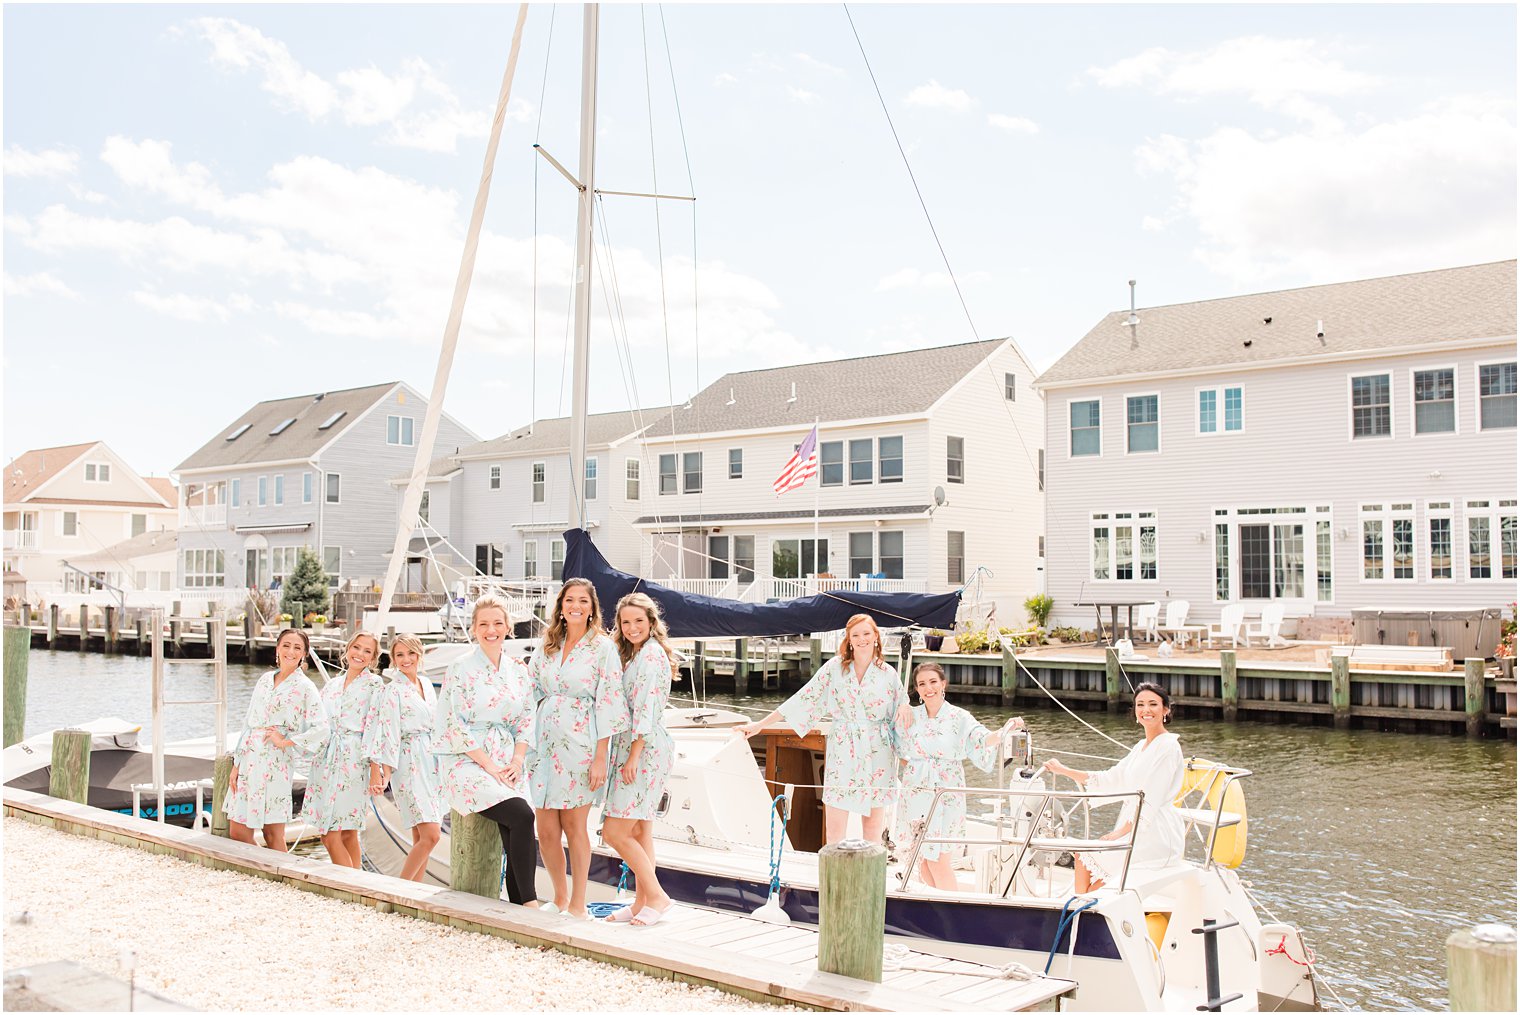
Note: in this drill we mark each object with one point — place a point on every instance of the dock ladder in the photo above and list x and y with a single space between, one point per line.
216 640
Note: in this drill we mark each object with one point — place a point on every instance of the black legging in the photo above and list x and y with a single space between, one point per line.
514 820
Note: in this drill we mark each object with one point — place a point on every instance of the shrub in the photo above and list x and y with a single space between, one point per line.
1068 634
306 585
1038 607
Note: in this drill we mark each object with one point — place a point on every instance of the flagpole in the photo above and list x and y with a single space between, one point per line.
818 568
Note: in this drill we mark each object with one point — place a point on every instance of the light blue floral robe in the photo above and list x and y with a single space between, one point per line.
646 687
294 708
936 750
486 708
337 795
404 742
860 765
579 703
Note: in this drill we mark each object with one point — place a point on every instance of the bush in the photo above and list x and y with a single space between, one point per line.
1038 607
972 641
1067 634
306 585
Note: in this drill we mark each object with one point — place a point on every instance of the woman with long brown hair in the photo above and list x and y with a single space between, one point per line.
348 771
406 752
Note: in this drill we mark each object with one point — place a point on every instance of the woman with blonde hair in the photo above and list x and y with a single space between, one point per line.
864 696
484 742
348 771
405 750
642 755
578 683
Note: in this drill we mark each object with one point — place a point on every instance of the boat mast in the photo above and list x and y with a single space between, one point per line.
583 226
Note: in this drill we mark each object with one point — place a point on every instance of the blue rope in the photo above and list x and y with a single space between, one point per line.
1066 921
623 879
602 910
778 842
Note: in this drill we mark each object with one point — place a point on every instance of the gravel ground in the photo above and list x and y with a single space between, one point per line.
221 940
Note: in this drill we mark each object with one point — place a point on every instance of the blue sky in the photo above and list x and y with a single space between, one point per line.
208 206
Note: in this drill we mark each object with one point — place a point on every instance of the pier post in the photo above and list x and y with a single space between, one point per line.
475 855
176 629
52 632
852 908
221 776
84 626
70 775
1340 691
1476 698
113 629
142 635
741 665
18 650
1111 679
1229 685
1010 676
1480 968
250 636
815 657
698 666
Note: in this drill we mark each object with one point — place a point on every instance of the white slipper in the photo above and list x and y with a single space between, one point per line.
621 915
649 916
548 907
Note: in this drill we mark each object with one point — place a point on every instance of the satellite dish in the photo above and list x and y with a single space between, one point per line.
939 496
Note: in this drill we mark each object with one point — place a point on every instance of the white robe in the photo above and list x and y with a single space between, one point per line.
1156 770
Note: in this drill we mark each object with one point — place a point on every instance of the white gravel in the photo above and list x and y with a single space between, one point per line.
221 940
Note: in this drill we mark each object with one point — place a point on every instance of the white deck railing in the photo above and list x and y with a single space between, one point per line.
203 516
21 539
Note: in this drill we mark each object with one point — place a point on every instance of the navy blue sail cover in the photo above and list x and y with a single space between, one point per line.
693 616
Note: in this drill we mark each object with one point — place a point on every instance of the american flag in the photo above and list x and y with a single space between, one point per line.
802 464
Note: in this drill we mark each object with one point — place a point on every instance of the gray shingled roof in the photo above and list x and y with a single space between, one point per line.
301 439
888 384
551 435
1370 315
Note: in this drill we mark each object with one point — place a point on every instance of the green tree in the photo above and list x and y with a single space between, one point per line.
305 589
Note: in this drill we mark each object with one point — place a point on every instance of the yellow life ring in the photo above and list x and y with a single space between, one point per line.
1205 782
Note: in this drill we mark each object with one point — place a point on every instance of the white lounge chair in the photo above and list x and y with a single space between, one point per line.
1176 623
1146 619
1269 627
1230 620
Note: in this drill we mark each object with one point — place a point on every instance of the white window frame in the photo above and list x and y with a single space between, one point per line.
1010 387
674 474
530 556
1384 514
1219 416
1494 510
308 487
1066 425
279 488
493 478
633 485
1135 520
686 474
538 482
902 459
959 480
735 465
204 568
1309 516
844 466
237 492
556 557
327 488
405 431
1157 424
588 485
1478 426
263 497
63 523
97 472
850 460
1393 422
334 574
1446 509
1456 401
955 564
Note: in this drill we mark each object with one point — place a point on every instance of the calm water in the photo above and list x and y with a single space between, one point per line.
1376 844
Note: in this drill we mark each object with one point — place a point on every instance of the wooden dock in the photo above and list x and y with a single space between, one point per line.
733 953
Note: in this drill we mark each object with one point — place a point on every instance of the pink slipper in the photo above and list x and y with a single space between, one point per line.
649 916
624 915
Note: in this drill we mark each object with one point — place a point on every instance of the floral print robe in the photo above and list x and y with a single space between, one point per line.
337 795
936 749
646 687
294 708
579 702
860 767
486 708
1156 769
404 742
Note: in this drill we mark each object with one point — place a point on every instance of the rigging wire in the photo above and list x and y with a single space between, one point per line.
538 130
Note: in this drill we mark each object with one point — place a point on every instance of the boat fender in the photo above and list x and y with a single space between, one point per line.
1155 926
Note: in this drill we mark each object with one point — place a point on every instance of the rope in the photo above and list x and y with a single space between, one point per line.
1066 921
1282 949
778 842
1313 963
1003 642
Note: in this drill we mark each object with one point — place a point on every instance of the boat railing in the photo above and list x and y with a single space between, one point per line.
1213 788
1046 823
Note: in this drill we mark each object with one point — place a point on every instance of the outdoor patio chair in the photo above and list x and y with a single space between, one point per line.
1176 622
1230 620
1147 617
1270 627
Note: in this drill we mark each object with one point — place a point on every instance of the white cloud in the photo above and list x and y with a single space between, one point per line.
183 307
912 278
801 95
51 162
808 60
936 96
237 46
1013 124
723 79
149 165
39 284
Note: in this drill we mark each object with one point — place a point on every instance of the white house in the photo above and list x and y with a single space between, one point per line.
1329 448
69 502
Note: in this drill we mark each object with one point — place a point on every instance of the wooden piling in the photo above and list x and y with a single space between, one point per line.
70 766
84 626
52 630
221 777
741 665
250 641
1010 676
113 630
1112 677
1340 691
1474 681
815 657
1480 968
176 629
475 855
1229 684
144 646
18 649
852 908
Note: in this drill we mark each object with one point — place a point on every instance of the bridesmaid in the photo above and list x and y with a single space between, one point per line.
404 747
284 716
642 755
863 695
485 733
337 795
943 736
578 684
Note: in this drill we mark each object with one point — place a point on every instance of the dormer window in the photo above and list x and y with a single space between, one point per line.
97 472
234 435
284 425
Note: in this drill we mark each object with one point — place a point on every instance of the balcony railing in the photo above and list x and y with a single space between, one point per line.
21 539
203 516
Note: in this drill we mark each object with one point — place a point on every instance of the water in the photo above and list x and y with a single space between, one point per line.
1376 844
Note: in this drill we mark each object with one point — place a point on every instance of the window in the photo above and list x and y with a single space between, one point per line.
1496 396
556 559
530 558
1270 557
798 558
691 472
488 559
306 487
860 462
744 559
71 523
538 482
955 558
1144 430
1086 428
1010 389
97 472
279 489
334 483
1438 550
955 459
1124 546
234 435
889 459
890 552
282 426
1221 410
493 478
1371 409
398 430
203 569
667 474
1221 562
1388 542
831 462
1490 523
282 561
590 488
327 423
1040 473
423 505
263 490
1435 400
735 463
237 492
631 479
1324 556
139 524
717 556
862 558
332 563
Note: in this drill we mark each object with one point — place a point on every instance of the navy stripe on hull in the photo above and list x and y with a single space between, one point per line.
1025 928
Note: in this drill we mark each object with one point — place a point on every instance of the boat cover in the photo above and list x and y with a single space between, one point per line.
692 616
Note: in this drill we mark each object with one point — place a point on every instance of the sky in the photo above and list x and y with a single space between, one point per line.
206 206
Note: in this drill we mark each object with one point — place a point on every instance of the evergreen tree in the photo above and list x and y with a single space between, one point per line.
306 587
